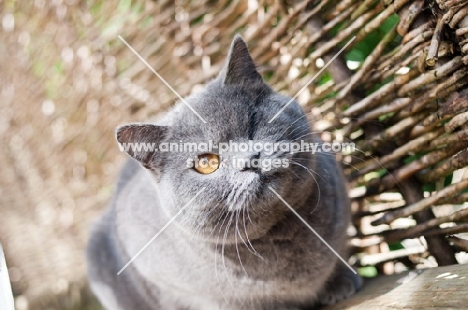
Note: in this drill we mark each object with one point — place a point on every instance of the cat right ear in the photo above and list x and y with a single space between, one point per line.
140 141
240 67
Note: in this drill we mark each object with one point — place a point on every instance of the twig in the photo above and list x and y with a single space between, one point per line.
461 135
368 63
415 146
458 17
458 161
422 101
460 228
379 76
447 4
408 14
362 8
391 180
457 121
370 101
404 50
390 133
377 21
437 245
418 31
343 36
422 204
393 106
418 230
431 76
461 244
432 52
378 258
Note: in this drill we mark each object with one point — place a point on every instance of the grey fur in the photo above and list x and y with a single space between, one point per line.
237 246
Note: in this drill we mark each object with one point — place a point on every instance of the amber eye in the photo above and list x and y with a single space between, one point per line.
207 163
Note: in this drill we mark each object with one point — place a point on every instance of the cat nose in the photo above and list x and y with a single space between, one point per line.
249 162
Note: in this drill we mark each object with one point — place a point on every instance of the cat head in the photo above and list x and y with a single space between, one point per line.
236 108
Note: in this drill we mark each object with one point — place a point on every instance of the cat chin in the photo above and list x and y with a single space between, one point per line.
278 227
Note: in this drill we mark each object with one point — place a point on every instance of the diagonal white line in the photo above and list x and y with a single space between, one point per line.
162 79
313 230
159 232
311 80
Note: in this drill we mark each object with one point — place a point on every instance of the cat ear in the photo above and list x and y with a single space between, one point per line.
140 141
240 67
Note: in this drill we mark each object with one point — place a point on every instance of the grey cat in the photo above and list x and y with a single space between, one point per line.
233 243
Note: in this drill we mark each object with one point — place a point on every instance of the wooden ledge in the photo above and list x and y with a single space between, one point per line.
434 288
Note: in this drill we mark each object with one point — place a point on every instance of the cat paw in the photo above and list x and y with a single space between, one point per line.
342 285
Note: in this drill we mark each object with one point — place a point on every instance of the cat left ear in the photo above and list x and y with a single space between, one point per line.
140 141
240 67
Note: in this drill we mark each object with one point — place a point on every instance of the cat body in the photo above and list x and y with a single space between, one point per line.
232 243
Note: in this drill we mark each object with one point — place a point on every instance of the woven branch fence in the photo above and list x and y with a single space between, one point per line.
399 92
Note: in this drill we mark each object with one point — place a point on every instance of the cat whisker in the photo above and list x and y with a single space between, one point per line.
318 153
218 222
292 124
294 161
352 156
313 154
251 249
306 135
300 178
307 125
314 159
300 129
216 262
318 185
198 232
226 232
378 163
308 169
237 246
